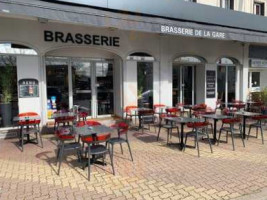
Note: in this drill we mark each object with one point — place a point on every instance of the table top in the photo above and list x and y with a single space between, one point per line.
247 114
183 120
63 114
216 116
89 130
26 118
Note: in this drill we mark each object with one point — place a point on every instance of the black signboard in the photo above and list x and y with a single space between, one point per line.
210 83
28 88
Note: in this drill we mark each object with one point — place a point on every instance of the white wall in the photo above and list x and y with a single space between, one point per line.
130 79
200 84
28 67
211 102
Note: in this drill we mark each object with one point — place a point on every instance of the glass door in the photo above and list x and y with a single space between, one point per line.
183 84
104 87
226 81
81 82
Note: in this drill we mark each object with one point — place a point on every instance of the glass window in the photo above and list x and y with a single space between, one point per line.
10 48
145 84
81 81
255 79
227 4
8 90
57 85
258 8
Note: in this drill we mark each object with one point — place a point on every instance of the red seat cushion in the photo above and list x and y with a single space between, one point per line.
197 124
231 120
260 117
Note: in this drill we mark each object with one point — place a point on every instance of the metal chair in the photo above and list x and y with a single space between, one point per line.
147 117
129 112
122 128
169 126
65 136
95 148
230 129
28 127
258 125
199 130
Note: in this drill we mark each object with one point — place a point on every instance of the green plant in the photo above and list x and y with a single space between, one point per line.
6 83
263 95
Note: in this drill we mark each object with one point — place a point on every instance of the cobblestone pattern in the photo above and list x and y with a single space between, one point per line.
158 171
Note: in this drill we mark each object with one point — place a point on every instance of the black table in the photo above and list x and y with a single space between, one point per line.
189 107
215 118
182 121
246 115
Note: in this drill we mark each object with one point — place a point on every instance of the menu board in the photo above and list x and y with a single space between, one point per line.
28 88
210 83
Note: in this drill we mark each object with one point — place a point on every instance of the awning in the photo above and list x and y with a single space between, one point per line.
101 18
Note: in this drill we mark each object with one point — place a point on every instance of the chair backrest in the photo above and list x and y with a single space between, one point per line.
231 120
128 109
64 134
197 124
260 117
92 123
29 122
122 127
200 106
147 112
173 110
90 139
28 114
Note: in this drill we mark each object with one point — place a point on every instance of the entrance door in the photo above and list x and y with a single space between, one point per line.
183 84
226 82
87 83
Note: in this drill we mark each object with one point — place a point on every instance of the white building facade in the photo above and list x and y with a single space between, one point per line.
101 68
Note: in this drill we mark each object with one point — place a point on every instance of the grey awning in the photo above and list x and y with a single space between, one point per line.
101 18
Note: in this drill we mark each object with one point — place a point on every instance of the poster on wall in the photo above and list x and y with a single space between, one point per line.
28 88
210 84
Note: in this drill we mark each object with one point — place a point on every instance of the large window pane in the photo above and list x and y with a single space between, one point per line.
231 83
176 84
188 84
221 79
81 81
8 90
57 84
145 84
104 86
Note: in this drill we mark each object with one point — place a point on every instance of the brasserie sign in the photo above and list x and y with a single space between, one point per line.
185 31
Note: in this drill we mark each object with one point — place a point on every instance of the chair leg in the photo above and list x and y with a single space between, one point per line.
89 163
41 139
197 146
257 132
219 137
158 133
262 139
209 142
178 134
130 150
185 143
227 134
111 154
249 132
22 140
233 143
60 156
121 148
168 135
243 141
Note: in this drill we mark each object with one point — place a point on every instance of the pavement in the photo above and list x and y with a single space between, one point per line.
159 171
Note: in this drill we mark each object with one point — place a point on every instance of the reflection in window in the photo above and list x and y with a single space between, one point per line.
255 79
145 84
189 59
140 56
81 81
8 90
10 48
57 85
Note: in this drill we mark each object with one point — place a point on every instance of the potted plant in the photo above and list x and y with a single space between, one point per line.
263 95
6 89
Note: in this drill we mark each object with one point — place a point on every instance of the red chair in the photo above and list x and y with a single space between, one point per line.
31 125
201 106
238 104
147 117
64 136
122 129
230 128
173 111
158 108
82 115
95 148
180 106
199 129
130 112
63 120
258 125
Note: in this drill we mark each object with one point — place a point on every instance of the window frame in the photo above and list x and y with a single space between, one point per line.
261 6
